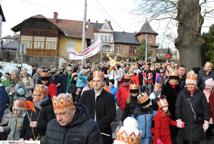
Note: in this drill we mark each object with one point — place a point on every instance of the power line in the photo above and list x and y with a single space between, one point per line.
109 15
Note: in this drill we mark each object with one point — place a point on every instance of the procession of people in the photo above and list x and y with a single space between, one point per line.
129 102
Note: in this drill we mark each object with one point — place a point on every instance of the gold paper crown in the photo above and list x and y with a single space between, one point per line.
208 64
62 101
97 73
162 102
128 139
44 74
191 78
41 89
157 86
143 98
19 104
127 76
133 86
173 72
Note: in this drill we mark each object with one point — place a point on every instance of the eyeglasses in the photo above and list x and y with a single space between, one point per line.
134 91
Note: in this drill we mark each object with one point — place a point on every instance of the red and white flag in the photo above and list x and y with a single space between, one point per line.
89 52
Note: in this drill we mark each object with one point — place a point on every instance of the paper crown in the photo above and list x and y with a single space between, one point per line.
133 86
127 76
208 65
157 86
40 89
143 99
97 73
44 74
162 102
19 104
173 73
191 78
128 133
62 101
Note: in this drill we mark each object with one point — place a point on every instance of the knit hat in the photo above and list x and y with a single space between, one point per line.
128 133
209 83
191 78
62 101
143 99
162 102
40 90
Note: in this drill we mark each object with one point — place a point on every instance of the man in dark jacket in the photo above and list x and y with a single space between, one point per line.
72 123
101 106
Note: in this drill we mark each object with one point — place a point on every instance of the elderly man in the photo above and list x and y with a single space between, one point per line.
101 106
72 123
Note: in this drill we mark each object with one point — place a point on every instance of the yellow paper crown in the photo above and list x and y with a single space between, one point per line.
133 86
40 89
62 101
128 139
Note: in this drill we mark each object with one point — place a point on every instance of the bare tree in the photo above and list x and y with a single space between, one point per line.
190 15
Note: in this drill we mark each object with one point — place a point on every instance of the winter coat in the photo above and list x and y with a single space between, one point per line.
27 132
135 79
46 114
15 126
81 80
103 107
52 90
171 96
161 128
4 100
130 107
144 118
29 85
122 95
211 103
82 130
203 77
192 131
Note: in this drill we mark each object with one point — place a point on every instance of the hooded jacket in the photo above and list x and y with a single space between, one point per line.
82 130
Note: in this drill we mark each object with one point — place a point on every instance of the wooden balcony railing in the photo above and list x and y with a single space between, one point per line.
40 52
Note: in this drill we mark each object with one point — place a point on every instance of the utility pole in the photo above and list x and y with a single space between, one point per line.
84 29
146 49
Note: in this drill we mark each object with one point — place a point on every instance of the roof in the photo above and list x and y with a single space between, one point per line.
147 29
97 26
11 45
70 28
125 37
2 14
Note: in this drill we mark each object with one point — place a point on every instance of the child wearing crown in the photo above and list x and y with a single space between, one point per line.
16 120
162 122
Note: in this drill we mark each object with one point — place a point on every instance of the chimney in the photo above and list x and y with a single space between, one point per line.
55 17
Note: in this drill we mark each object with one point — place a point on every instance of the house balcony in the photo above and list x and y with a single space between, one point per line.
41 52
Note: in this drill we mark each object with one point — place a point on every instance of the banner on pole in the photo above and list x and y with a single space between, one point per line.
92 50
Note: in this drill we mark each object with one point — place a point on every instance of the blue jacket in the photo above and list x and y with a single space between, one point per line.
4 100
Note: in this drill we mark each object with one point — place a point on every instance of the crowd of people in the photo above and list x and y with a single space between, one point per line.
87 104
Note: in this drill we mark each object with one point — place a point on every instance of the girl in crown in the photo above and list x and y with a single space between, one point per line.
162 122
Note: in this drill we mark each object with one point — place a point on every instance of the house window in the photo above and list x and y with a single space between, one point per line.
132 50
27 41
39 42
51 43
70 45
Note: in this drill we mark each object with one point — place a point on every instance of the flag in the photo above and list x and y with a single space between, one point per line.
29 105
88 52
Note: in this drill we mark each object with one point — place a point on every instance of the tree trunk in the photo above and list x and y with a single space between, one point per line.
189 40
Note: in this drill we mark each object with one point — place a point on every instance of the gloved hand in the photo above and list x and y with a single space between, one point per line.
159 141
205 125
180 123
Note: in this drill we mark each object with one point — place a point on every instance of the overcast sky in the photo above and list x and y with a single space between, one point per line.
119 12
